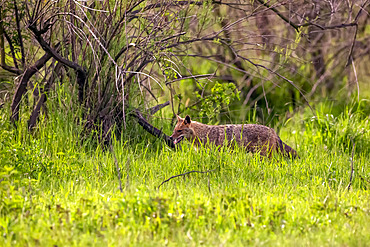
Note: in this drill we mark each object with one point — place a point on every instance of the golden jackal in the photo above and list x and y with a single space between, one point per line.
254 137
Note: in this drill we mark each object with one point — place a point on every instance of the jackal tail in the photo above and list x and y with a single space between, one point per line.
286 150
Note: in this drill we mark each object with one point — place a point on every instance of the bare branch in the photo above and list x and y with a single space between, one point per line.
208 76
11 49
350 58
117 168
156 108
352 169
186 173
308 23
277 12
11 69
276 73
128 173
19 33
22 87
81 72
151 129
356 80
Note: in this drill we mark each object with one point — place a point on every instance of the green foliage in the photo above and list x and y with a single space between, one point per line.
221 96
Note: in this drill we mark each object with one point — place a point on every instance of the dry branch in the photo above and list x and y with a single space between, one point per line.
186 173
128 173
352 169
364 179
151 129
350 58
156 108
22 87
117 167
277 12
3 34
81 72
20 37
11 69
12 51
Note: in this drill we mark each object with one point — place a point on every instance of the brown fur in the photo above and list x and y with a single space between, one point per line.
254 137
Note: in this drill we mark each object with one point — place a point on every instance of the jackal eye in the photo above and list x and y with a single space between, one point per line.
179 131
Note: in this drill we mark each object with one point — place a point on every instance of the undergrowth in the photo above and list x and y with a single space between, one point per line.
56 190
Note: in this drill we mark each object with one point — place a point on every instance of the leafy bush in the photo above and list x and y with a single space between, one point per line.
220 97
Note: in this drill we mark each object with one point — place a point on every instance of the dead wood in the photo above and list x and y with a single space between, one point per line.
352 169
81 72
156 108
186 173
22 86
150 128
117 167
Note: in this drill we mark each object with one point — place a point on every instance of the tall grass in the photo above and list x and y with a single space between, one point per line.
57 190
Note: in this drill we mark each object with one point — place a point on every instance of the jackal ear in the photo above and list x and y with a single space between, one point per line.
187 120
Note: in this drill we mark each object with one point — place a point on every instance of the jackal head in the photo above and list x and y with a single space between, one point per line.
182 130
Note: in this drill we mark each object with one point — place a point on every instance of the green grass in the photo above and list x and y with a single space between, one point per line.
55 191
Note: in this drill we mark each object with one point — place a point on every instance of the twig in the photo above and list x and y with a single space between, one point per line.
22 86
192 77
363 179
350 57
149 91
11 47
171 37
186 173
209 184
117 167
81 72
23 59
358 86
128 173
156 108
276 73
350 178
11 69
296 27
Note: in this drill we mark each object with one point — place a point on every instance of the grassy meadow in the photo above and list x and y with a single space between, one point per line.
58 191
89 64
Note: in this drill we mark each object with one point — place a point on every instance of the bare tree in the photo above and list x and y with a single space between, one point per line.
125 56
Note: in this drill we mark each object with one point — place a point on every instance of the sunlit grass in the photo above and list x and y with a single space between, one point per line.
56 192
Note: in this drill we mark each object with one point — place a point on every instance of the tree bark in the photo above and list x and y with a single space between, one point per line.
153 130
22 87
81 72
